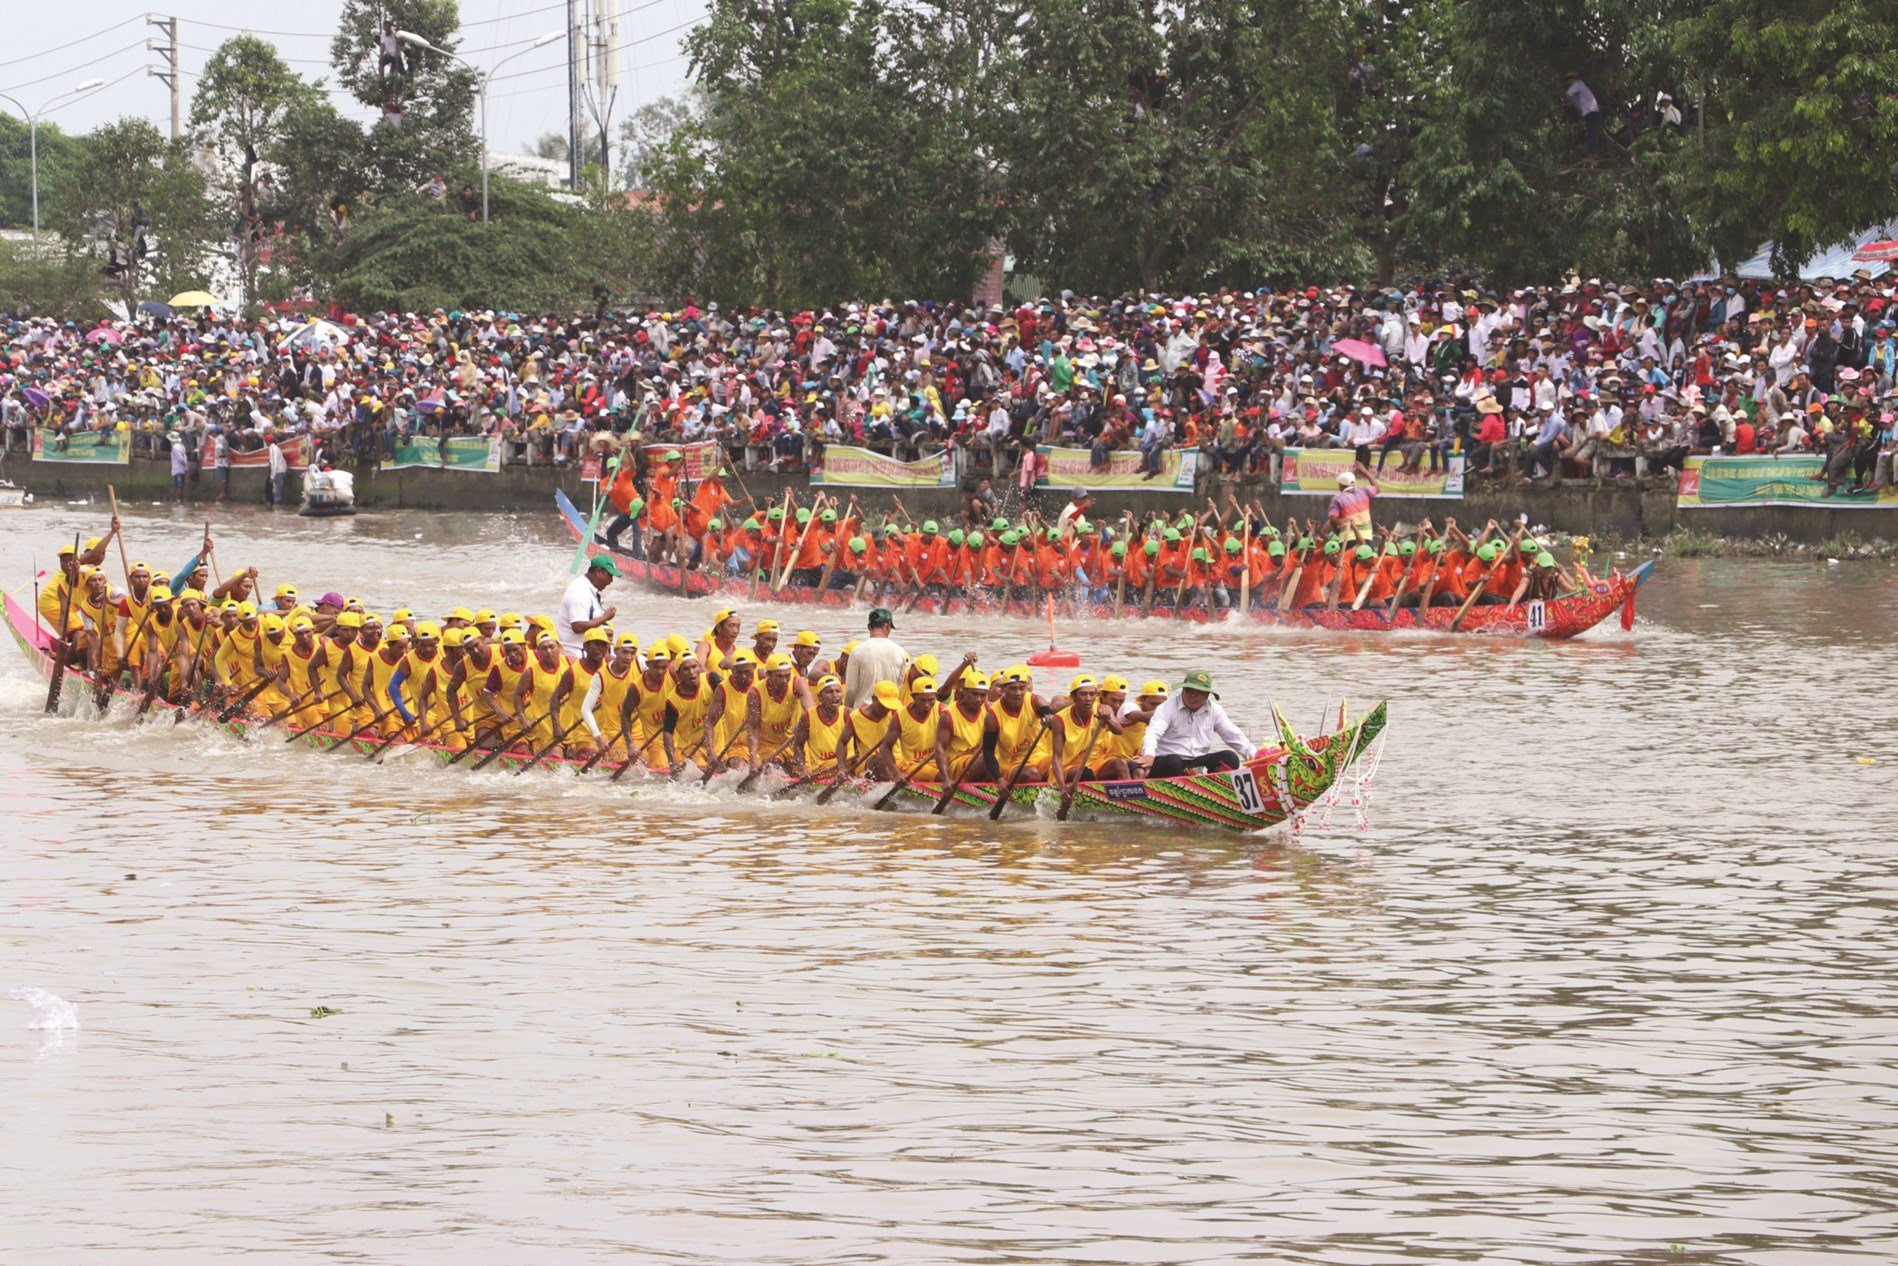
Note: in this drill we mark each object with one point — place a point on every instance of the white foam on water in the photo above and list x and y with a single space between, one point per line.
50 1012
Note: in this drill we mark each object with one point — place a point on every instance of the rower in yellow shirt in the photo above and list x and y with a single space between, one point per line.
736 712
960 731
820 729
1015 721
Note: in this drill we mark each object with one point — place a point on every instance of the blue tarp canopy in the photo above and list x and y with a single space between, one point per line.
1836 262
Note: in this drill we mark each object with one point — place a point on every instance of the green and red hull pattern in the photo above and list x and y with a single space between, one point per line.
1274 785
1555 619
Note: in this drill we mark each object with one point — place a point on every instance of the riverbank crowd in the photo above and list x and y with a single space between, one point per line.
579 686
1588 378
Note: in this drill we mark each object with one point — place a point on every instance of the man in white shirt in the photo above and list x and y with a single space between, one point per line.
581 608
1192 732
876 658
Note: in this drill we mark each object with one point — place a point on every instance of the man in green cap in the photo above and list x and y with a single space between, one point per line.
876 658
581 608
1191 731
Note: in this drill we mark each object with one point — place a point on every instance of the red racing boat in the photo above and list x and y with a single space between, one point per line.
1556 619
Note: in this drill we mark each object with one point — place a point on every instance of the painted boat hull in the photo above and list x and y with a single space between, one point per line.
1560 618
1273 786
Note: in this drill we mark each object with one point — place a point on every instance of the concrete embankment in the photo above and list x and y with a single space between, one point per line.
1616 509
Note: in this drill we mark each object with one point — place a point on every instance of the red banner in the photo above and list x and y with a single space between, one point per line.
296 451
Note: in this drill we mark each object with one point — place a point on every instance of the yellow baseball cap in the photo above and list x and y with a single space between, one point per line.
627 641
828 680
779 662
745 656
283 591
806 637
972 680
724 614
483 616
454 637
1016 672
428 628
160 593
245 610
1083 682
513 637
463 613
597 635
888 693
849 647
511 620
923 686
1153 688
1111 685
272 625
349 620
303 624
928 663
677 644
767 626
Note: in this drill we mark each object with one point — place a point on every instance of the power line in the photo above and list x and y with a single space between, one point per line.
251 30
60 48
61 74
509 17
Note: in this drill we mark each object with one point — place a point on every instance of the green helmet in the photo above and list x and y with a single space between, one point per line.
1201 556
1120 549
1333 545
828 516
929 527
1365 553
1305 542
1276 549
1407 549
1390 547
716 525
955 536
1232 545
1489 551
858 545
1529 549
1269 532
890 529
1011 538
1435 547
776 514
1545 559
1152 548
1172 535
1054 534
999 525
975 540
803 516
1082 525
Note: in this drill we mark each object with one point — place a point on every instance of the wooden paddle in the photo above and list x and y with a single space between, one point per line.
541 755
1001 800
603 749
790 564
256 689
844 770
297 705
326 717
711 766
61 640
1245 567
119 532
1291 581
375 753
637 756
759 564
1482 583
375 720
1127 532
766 762
1073 782
950 794
499 749
904 781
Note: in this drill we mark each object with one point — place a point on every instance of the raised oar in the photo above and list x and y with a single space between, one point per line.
1482 582
904 781
124 566
635 758
766 763
1291 581
60 639
1008 789
541 755
1074 782
1245 569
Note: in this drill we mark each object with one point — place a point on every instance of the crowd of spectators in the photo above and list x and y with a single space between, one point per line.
1582 380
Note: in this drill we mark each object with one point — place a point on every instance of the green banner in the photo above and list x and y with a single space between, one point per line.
1771 481
103 448
477 453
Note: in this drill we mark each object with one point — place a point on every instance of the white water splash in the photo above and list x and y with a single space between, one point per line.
50 1012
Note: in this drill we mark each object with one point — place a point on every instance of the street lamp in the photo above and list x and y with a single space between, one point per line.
33 141
411 38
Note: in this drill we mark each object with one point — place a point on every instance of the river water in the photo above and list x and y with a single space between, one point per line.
1608 977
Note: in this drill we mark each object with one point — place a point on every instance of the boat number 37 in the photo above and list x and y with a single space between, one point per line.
1538 616
1246 788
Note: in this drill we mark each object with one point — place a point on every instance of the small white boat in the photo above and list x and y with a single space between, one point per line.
327 493
13 497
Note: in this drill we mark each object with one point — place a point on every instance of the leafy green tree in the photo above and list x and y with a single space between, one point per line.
246 96
57 151
435 94
1801 140
57 284
134 202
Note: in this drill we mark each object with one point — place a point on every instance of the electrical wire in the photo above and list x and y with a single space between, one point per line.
61 74
60 48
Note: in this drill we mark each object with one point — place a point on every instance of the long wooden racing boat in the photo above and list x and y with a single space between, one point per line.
1558 618
1274 785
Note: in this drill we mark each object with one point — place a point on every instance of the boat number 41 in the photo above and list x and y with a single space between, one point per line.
1538 616
1246 788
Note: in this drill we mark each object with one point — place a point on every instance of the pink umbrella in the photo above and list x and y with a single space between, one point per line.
1359 350
105 334
1877 253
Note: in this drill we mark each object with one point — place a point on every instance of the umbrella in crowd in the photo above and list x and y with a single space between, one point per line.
151 307
314 334
193 299
1359 350
1885 252
105 334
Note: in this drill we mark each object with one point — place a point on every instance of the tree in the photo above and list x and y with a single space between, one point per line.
57 151
554 146
433 93
55 285
245 96
1802 122
644 134
134 202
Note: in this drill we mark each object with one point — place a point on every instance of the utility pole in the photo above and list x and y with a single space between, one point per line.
169 47
576 62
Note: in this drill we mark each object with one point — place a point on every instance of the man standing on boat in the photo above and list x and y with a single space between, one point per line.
1191 731
876 658
1350 512
581 608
